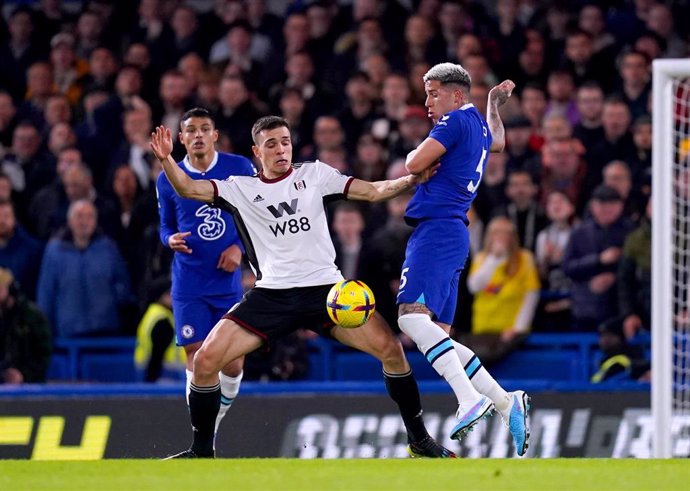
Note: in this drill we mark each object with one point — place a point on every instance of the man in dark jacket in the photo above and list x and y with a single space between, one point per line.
25 338
591 259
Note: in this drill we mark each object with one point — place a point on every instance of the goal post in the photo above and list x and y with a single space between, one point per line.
670 254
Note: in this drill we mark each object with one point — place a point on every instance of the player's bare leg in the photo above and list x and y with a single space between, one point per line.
230 380
377 339
225 343
434 342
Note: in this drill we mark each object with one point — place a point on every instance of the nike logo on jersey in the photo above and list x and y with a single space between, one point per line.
257 199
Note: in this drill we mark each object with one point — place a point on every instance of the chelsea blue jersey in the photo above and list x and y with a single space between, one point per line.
212 231
466 137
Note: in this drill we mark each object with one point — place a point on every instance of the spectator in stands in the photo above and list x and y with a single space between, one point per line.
591 20
370 162
635 278
590 105
641 163
591 259
8 121
491 195
102 69
328 136
68 70
531 63
108 116
88 32
27 166
135 150
236 50
523 208
421 42
413 129
581 61
292 107
636 82
617 143
83 280
126 191
236 113
155 351
561 92
348 225
616 174
19 252
563 169
660 21
19 52
186 37
551 243
519 154
174 96
49 209
533 107
138 55
39 87
505 284
25 338
395 95
556 127
57 110
358 112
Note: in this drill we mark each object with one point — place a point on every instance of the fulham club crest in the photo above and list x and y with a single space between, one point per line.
300 185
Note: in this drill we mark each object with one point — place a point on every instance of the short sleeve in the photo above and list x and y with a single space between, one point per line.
449 130
224 190
330 180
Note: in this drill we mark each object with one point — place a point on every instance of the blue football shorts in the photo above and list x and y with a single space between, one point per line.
196 316
435 255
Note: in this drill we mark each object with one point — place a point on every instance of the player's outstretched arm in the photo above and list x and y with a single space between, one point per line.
161 144
384 190
497 97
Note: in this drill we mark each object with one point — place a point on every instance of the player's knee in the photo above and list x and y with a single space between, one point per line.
390 351
205 363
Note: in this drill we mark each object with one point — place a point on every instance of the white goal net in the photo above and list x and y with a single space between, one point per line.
671 258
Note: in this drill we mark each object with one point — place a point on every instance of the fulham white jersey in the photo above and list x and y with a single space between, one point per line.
282 223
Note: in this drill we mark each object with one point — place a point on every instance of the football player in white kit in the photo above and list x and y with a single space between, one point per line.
280 217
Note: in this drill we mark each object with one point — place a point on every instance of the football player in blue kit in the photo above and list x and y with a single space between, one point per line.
206 272
437 249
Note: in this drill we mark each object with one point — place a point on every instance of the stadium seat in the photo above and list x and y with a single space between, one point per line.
108 368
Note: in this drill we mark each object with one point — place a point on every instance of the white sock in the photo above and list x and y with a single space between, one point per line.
188 382
481 379
437 347
229 388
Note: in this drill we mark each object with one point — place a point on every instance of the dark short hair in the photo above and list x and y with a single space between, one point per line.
197 112
268 123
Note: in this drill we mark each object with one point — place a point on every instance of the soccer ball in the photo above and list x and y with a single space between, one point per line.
350 303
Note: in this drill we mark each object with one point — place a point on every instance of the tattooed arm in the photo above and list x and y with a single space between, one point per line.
497 97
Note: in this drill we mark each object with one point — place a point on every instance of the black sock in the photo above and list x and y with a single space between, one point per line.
402 388
204 403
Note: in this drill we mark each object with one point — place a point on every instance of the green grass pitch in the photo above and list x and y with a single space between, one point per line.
403 475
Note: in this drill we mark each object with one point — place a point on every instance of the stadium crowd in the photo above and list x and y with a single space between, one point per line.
560 226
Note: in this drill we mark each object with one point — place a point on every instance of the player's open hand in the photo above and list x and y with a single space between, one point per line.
178 242
161 142
501 92
425 175
230 259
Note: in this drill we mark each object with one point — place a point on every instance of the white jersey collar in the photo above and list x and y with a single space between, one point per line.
194 170
467 106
